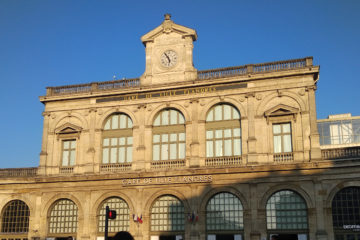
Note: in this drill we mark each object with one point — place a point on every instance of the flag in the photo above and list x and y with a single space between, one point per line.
189 216
192 216
197 217
140 219
135 218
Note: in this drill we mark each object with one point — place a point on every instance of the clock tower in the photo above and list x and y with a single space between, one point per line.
169 54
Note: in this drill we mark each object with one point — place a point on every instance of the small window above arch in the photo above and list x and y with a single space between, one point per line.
222 112
118 121
169 117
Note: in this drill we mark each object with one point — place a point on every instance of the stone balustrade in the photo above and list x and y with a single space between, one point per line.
202 75
234 160
18 172
340 153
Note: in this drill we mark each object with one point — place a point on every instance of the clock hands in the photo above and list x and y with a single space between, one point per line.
167 57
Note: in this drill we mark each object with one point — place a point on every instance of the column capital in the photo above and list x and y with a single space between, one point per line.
309 88
46 113
249 95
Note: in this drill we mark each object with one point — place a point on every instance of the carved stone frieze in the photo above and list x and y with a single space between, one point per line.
149 108
100 111
202 102
187 104
301 92
86 112
90 150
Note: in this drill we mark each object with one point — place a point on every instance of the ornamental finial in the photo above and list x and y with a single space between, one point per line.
167 16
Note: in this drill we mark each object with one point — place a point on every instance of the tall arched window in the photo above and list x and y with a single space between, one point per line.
118 139
169 136
63 217
286 210
346 213
122 221
15 217
168 215
224 212
223 133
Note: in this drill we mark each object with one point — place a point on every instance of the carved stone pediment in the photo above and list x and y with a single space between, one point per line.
281 110
68 130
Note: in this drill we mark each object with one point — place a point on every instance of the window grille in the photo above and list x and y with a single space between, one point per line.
15 218
122 221
63 217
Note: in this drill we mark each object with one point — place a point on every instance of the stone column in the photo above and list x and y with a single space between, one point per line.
140 162
43 154
254 234
315 152
90 153
194 159
252 156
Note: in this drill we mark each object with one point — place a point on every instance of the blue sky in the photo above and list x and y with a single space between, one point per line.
53 43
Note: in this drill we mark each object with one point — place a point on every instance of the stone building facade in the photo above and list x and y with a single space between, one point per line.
235 150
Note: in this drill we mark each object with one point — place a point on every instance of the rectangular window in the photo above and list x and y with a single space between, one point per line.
168 146
117 150
68 152
282 138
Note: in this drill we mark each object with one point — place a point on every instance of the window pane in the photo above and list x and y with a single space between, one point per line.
164 138
130 123
113 155
227 133
181 136
237 147
181 150
73 144
286 128
218 113
121 154
122 141
218 148
236 113
227 147
287 143
173 153
276 129
227 112
173 137
210 116
165 118
106 142
105 158
115 122
72 157
164 152
107 125
173 117
123 121
237 132
66 144
113 141
181 118
156 150
209 149
209 134
129 154
65 160
326 129
156 138
218 133
129 140
157 121
277 144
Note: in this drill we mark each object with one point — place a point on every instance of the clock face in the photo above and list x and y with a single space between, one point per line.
168 58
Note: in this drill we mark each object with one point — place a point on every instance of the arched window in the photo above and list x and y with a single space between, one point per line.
122 221
223 133
63 217
169 136
167 214
118 139
224 211
346 213
286 210
15 217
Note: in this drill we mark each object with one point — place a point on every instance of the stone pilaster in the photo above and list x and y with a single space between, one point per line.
194 159
190 71
254 234
43 154
90 153
146 79
320 220
140 161
251 141
315 152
